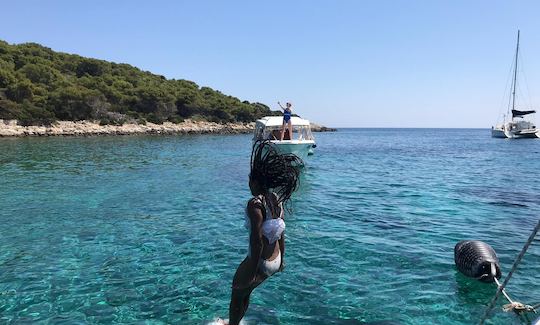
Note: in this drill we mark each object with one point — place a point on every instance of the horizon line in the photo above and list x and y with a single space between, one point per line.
405 127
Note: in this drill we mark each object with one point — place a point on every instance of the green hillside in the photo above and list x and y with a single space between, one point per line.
39 85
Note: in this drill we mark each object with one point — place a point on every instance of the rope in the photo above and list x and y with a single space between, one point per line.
503 291
514 267
518 307
514 306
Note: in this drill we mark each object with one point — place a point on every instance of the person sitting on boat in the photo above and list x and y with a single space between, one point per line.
287 112
272 180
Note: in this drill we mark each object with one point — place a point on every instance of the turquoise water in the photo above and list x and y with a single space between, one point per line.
150 228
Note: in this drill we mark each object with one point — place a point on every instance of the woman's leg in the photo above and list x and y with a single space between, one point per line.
240 300
283 130
246 303
290 130
238 306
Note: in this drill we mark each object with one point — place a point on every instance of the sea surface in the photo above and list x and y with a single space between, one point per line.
149 229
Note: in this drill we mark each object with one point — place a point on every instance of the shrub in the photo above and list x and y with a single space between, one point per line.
175 119
104 121
153 118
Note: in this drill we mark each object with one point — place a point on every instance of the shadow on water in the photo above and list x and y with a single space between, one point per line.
503 197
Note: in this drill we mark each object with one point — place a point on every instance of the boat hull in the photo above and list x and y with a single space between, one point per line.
520 135
300 149
498 133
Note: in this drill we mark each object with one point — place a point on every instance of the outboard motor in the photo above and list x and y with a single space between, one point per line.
477 260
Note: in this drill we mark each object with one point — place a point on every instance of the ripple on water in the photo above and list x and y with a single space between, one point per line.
133 229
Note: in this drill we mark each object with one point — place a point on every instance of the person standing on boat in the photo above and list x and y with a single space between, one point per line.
272 180
287 112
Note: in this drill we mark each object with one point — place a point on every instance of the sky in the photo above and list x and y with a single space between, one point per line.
400 63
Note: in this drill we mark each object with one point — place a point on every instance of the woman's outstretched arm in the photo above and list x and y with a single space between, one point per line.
281 240
282 249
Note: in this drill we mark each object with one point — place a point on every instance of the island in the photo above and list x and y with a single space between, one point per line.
44 92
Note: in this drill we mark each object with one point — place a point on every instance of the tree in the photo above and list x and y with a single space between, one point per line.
38 73
9 110
6 78
73 103
34 79
91 67
20 91
33 115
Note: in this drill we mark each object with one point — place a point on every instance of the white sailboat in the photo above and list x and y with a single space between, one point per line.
517 127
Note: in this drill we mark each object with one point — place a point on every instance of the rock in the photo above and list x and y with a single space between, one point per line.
320 128
9 128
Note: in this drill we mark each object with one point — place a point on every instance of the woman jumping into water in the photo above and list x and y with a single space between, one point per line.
272 180
287 111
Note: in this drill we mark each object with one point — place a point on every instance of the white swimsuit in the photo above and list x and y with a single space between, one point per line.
272 229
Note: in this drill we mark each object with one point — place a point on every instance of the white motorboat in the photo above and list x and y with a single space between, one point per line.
300 143
517 127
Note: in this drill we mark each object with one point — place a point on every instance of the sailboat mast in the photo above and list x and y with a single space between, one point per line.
515 76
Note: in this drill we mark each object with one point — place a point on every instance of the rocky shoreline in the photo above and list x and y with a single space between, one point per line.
10 128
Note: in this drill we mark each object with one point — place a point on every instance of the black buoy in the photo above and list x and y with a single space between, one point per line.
477 260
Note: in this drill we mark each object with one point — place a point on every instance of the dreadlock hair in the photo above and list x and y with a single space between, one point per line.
275 171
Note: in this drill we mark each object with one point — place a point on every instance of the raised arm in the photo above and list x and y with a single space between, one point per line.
283 108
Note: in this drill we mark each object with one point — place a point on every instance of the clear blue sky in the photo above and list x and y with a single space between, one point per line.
341 63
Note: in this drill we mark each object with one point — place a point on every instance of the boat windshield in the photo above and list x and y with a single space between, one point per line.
300 132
